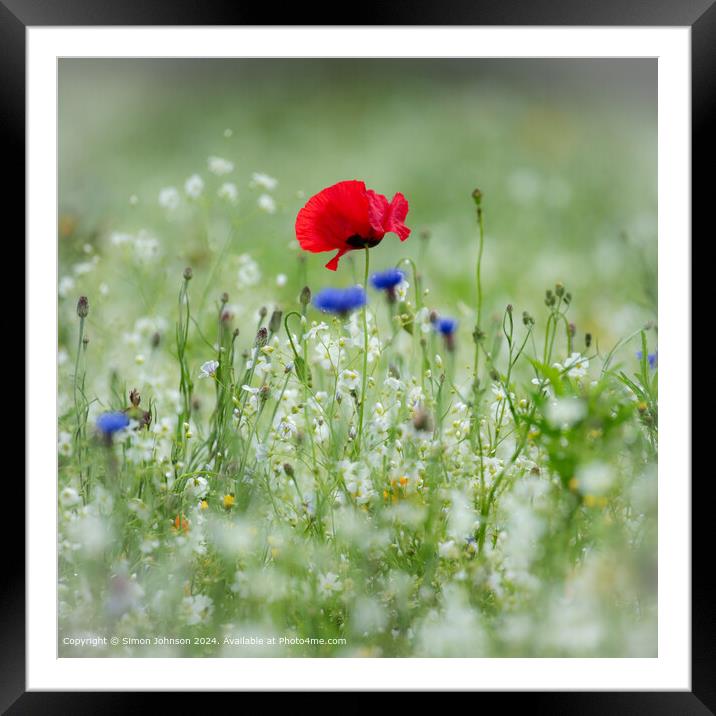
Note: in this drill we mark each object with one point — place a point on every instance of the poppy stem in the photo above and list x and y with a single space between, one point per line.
478 282
365 356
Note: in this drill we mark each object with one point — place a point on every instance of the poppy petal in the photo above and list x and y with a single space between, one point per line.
397 211
333 263
378 209
332 216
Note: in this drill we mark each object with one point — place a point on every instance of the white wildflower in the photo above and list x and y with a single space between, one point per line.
564 412
64 443
66 284
576 366
169 199
228 192
249 273
197 609
208 369
194 186
266 203
220 166
595 478
264 181
196 487
329 584
69 497
349 380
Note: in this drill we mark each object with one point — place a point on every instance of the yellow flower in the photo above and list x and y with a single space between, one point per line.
229 501
203 504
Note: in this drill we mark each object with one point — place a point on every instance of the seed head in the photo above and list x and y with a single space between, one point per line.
422 420
82 307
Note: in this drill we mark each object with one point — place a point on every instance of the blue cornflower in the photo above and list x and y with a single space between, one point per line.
110 423
340 300
387 280
446 326
650 357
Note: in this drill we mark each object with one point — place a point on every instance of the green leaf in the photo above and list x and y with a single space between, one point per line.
552 374
402 311
303 372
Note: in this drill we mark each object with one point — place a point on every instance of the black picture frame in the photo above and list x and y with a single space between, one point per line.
699 15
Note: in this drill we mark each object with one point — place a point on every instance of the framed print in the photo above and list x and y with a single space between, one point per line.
349 343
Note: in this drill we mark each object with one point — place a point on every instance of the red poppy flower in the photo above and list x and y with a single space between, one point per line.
347 216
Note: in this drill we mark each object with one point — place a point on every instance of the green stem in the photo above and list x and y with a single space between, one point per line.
365 356
478 281
78 435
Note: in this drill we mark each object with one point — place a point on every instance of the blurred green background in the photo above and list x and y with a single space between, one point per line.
563 150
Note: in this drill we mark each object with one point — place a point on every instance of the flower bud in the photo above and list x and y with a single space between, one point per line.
422 421
261 337
188 273
82 307
275 321
305 297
